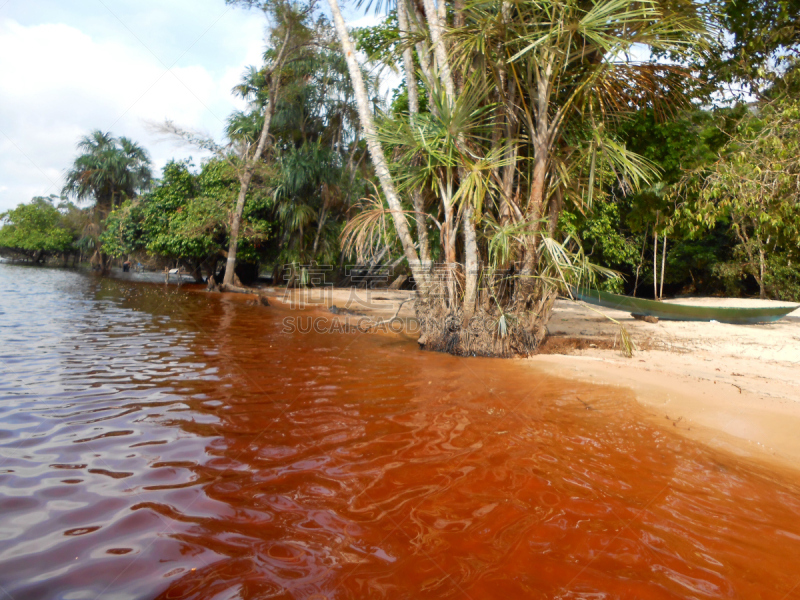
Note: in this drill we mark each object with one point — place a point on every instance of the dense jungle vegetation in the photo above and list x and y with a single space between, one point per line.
650 148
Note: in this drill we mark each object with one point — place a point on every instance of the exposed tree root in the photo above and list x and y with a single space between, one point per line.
487 332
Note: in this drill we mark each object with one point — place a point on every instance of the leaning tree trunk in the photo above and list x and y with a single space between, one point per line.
244 186
252 162
376 150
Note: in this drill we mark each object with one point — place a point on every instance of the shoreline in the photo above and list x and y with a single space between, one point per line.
734 388
711 411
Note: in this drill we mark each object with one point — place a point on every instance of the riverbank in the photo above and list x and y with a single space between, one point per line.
733 387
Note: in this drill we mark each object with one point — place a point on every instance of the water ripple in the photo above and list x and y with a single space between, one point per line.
157 442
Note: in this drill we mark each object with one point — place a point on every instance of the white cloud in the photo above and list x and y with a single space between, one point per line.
57 83
369 20
68 68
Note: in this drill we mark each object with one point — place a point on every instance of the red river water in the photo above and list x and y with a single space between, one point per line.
165 443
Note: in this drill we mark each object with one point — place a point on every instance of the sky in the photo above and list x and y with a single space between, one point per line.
68 67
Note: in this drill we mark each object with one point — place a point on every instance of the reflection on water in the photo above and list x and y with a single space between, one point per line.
164 443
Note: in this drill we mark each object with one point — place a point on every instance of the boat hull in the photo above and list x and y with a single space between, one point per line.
681 312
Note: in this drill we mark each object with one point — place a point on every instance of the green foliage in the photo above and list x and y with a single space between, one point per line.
782 278
605 241
310 192
696 264
315 102
186 216
381 42
180 220
37 228
108 171
755 188
621 237
678 143
123 231
756 44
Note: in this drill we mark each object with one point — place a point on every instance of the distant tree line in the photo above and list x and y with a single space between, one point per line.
44 229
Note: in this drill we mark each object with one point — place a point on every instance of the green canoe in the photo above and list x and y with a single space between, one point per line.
683 312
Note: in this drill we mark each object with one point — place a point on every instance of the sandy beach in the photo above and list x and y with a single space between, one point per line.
734 387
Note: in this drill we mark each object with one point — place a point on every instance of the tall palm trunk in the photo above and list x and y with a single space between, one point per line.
537 202
436 17
376 150
408 60
423 51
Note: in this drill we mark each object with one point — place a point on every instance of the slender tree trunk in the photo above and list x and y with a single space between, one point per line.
408 60
320 225
250 163
534 213
236 220
510 170
413 109
540 133
376 150
415 20
471 263
655 264
663 264
437 20
639 266
448 240
435 25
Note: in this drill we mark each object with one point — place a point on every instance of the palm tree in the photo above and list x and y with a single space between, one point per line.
108 171
524 100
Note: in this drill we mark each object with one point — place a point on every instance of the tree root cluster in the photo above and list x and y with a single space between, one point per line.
487 332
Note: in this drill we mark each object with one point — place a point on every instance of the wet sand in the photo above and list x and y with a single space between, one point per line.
734 387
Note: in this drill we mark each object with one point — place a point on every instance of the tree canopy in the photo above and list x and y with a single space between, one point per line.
108 171
40 228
